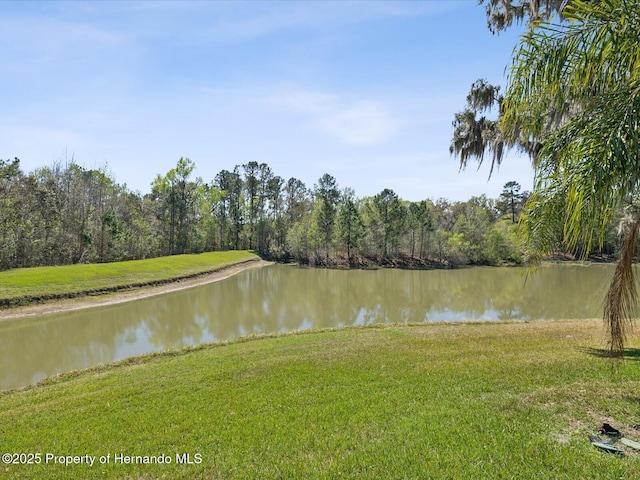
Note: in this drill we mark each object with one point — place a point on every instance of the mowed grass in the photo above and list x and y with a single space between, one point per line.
457 401
40 282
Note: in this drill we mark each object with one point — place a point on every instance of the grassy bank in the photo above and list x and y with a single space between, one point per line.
429 401
29 285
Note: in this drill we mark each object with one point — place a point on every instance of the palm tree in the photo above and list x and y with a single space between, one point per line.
575 88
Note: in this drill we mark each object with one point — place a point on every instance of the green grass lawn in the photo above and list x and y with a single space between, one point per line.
481 401
41 282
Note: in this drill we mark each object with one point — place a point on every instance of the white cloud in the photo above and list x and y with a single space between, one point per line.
54 36
352 122
244 21
139 84
360 123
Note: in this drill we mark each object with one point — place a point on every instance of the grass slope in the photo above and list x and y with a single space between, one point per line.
484 401
29 284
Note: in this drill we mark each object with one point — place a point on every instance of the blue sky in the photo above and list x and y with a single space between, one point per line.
362 90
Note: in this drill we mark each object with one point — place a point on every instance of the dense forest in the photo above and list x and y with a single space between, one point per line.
65 213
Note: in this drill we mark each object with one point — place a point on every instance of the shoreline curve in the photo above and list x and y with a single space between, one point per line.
127 294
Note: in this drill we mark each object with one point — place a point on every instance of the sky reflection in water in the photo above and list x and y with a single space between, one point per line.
284 298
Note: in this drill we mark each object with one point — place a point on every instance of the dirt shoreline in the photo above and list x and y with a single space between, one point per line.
90 301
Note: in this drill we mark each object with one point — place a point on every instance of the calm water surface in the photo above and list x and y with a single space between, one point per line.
283 298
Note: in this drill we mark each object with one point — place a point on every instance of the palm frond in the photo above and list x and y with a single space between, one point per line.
575 88
621 302
560 68
585 169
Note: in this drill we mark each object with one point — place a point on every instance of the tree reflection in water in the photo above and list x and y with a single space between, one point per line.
283 298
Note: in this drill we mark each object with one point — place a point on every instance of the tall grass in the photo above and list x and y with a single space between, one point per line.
482 401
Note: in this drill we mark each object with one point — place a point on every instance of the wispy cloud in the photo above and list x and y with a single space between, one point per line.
364 90
225 21
353 122
54 36
360 123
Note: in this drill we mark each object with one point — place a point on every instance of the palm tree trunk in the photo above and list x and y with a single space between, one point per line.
622 297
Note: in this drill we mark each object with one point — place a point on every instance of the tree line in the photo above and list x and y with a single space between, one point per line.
65 214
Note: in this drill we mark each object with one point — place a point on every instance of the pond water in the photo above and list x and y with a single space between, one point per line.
281 298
